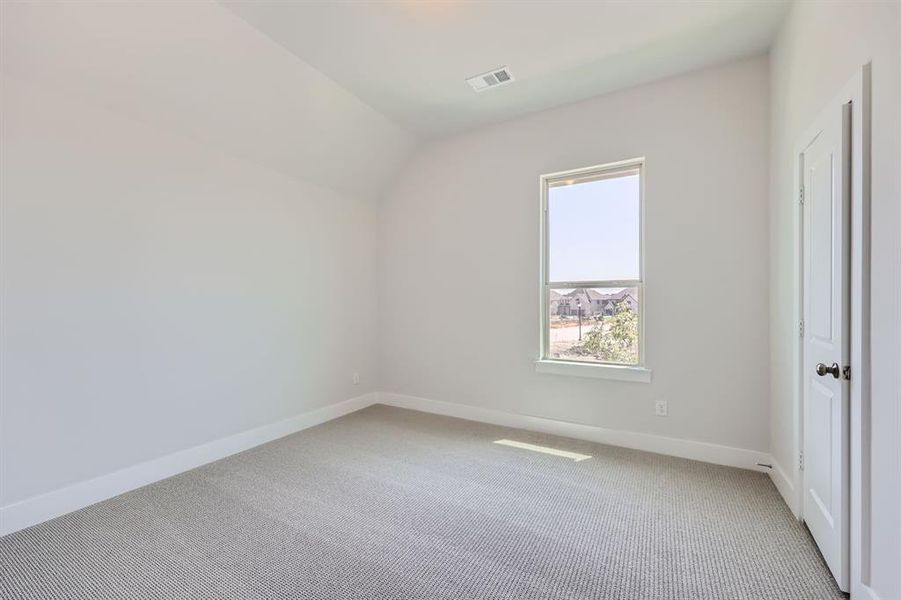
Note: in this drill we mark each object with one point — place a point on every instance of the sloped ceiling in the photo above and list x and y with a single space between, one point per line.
339 93
409 59
197 69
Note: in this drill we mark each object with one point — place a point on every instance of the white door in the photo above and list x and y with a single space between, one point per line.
825 177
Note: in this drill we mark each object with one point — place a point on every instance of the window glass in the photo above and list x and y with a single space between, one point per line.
594 324
592 296
593 230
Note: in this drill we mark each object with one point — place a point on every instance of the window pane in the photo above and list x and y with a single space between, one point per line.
593 230
608 328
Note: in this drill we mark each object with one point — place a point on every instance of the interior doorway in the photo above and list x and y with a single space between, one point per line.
833 310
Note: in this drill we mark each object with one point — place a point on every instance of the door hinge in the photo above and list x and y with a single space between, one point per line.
801 329
846 372
801 460
801 195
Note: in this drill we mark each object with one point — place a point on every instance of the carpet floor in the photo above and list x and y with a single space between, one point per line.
395 504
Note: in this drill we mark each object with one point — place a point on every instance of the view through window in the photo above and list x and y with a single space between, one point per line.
592 288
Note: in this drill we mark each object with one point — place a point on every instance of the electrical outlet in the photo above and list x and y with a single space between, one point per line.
660 408
356 379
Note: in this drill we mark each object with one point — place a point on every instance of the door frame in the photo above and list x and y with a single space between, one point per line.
857 92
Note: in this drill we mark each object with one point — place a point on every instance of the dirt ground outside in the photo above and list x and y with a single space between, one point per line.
564 340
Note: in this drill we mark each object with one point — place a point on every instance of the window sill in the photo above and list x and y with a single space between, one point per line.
619 373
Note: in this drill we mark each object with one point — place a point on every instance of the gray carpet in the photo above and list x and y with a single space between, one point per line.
395 504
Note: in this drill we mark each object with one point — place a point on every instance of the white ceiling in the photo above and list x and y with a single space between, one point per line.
196 69
408 59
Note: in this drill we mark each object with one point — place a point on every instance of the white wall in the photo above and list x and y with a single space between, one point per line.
459 248
197 69
188 236
819 49
158 294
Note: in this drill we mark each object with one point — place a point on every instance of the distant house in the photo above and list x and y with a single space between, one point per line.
593 303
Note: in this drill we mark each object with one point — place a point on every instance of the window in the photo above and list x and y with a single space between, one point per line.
591 283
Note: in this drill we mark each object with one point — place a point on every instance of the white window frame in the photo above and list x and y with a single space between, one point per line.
545 364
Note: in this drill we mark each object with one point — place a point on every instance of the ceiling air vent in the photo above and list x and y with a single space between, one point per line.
490 79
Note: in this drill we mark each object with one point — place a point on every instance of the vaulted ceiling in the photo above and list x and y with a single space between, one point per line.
339 93
196 69
409 59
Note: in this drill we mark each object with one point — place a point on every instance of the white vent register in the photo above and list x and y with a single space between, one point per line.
493 78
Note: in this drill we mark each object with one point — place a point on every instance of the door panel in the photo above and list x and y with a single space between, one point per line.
825 178
821 205
819 473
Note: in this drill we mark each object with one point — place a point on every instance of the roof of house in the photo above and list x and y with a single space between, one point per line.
592 294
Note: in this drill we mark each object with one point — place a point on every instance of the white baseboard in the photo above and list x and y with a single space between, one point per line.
702 451
786 487
38 509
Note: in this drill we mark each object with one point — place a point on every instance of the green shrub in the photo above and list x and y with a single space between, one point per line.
615 338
